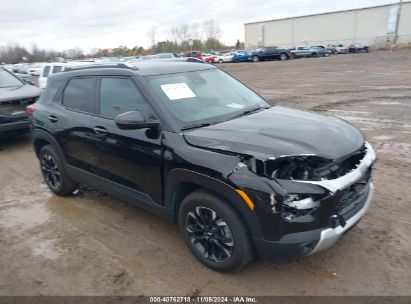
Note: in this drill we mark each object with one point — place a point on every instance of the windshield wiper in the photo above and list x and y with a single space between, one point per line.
253 110
206 124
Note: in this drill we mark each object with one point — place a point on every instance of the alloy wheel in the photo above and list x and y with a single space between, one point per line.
51 171
209 234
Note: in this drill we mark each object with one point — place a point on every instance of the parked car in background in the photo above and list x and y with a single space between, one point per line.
50 69
227 57
302 51
187 141
57 67
269 53
209 58
320 51
337 49
358 48
35 69
27 78
241 56
166 55
194 54
147 57
15 95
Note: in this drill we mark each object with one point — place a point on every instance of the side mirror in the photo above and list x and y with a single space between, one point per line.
134 120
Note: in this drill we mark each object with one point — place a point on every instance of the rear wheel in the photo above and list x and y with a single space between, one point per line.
214 232
283 56
54 173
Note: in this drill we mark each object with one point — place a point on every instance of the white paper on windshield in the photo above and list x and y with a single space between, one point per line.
235 105
177 91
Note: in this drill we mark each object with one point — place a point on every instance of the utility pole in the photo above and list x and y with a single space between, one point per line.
397 23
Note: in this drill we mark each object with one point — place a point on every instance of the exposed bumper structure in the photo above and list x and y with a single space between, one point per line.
350 178
331 235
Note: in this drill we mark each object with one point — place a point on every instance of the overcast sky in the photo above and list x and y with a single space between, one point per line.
64 24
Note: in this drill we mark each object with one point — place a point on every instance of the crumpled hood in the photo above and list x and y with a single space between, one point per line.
25 91
278 132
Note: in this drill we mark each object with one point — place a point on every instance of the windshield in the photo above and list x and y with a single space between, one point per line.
8 80
208 96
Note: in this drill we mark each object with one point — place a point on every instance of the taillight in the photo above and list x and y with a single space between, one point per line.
30 110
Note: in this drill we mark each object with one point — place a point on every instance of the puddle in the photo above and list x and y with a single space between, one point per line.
23 217
393 103
42 248
382 137
360 119
384 88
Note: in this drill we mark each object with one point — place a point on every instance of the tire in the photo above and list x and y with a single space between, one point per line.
54 173
230 255
283 56
292 56
255 59
220 61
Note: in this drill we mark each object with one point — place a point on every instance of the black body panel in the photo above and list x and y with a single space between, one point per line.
155 168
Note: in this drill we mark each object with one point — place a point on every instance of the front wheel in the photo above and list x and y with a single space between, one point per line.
220 61
255 58
214 232
54 173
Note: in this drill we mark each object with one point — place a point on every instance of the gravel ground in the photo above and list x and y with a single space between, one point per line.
93 244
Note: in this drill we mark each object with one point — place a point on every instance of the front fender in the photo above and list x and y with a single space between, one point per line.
178 176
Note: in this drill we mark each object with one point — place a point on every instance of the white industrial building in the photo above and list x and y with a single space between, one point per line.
377 25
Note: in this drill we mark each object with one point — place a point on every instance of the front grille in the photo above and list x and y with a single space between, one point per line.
354 197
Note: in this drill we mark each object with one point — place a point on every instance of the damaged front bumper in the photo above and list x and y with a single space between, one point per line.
290 233
330 236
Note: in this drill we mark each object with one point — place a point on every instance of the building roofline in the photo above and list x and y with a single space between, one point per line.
326 13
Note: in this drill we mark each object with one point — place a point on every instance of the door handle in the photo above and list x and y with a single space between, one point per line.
100 130
53 118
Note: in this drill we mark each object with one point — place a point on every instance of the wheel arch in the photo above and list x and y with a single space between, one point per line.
184 181
41 138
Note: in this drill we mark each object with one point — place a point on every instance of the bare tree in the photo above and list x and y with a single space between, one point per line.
152 34
195 31
211 29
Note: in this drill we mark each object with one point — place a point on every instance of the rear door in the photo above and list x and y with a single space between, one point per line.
72 125
131 158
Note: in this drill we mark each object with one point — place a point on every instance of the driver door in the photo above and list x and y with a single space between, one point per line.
131 158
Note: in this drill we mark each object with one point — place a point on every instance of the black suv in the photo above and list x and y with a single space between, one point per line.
191 143
15 96
270 52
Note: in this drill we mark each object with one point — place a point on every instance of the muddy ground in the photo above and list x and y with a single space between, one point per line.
93 244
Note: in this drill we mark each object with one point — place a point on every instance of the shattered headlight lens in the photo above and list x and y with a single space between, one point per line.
300 202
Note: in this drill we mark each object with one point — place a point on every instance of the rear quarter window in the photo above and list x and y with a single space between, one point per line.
79 94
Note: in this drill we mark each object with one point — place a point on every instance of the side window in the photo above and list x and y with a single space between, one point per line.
120 95
46 71
79 94
56 69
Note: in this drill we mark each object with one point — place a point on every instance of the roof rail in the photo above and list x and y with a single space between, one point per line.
100 66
